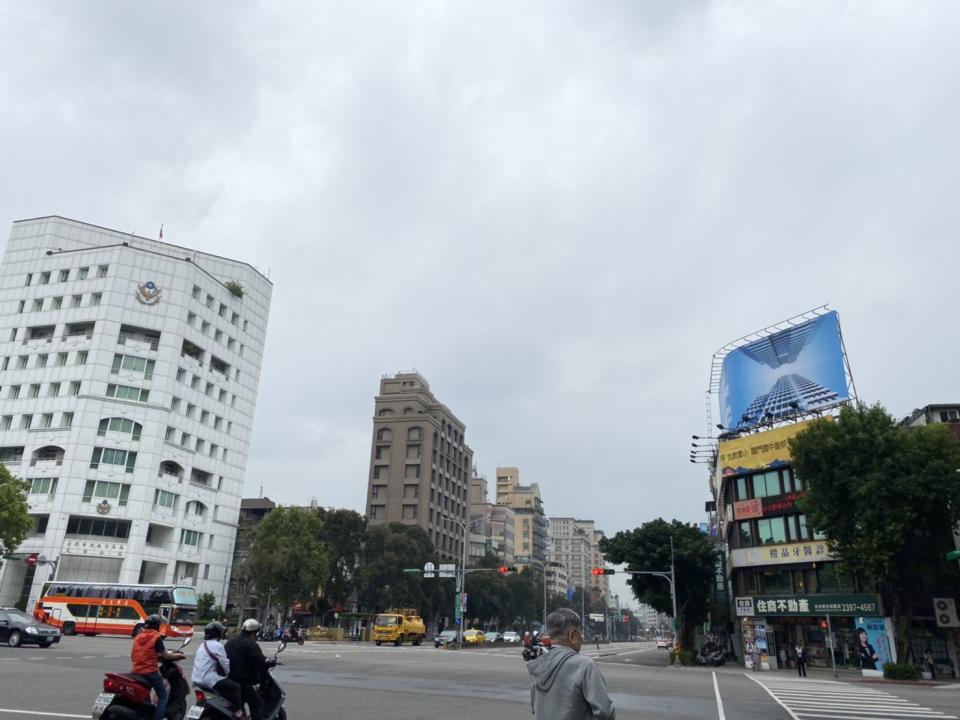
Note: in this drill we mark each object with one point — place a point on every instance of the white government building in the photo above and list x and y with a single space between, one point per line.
128 382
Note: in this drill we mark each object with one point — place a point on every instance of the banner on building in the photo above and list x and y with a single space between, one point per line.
792 371
847 605
770 448
873 643
806 551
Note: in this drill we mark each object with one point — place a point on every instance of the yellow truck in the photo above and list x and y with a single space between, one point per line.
398 626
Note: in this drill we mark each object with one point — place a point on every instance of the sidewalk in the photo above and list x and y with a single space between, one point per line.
854 675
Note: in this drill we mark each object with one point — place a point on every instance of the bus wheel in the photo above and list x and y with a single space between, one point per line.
136 630
69 628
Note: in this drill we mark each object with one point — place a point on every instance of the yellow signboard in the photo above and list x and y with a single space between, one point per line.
759 451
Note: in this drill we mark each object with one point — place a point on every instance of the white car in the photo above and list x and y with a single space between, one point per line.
511 637
664 643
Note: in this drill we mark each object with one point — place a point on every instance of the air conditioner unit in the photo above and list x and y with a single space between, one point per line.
945 610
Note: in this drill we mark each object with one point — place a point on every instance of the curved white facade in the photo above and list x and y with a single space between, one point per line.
128 383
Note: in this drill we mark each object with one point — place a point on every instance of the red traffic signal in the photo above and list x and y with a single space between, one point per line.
504 569
31 559
602 571
823 625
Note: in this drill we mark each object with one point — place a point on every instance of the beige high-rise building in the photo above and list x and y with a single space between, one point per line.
420 463
530 522
576 545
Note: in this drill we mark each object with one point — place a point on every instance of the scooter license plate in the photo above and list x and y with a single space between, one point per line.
101 703
194 713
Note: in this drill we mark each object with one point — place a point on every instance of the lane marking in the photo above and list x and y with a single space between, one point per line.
46 714
716 689
775 698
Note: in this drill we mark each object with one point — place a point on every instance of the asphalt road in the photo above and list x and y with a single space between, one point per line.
360 681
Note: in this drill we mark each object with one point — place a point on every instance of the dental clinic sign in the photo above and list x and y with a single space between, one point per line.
807 551
808 605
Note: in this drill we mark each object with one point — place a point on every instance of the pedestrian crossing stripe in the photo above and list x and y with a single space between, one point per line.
829 699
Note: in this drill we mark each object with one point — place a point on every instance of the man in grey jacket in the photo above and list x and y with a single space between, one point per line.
565 685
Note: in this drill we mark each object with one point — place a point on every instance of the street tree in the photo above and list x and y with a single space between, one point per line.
288 555
206 606
388 550
15 519
887 499
648 548
344 535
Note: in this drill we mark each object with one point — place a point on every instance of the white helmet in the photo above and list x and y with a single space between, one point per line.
250 625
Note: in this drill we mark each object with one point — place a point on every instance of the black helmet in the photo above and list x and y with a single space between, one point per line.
153 622
214 631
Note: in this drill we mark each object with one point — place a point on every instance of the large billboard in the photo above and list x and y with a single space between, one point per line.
789 372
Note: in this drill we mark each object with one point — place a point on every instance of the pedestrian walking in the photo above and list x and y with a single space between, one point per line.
930 664
801 660
565 685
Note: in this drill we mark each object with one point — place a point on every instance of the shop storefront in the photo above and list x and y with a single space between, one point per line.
771 627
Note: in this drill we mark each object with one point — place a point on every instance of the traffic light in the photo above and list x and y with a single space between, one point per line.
603 571
31 559
823 625
504 569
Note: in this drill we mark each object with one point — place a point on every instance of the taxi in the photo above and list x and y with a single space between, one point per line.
474 637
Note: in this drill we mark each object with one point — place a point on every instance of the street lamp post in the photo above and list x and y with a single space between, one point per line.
462 575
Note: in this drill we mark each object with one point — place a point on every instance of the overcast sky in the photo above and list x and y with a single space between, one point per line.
555 211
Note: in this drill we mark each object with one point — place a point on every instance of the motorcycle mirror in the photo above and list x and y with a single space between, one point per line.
186 642
282 647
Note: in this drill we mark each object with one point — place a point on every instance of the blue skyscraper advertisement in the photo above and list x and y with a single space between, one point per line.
795 370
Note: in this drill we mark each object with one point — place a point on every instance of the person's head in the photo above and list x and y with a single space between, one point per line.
563 627
862 636
153 622
250 626
214 631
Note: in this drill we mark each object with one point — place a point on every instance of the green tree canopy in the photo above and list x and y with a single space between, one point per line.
388 550
887 499
344 534
648 548
15 519
289 556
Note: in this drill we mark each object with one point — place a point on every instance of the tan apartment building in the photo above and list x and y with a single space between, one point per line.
420 463
491 525
530 525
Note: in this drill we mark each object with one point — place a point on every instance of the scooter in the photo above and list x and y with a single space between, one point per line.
211 706
128 696
710 655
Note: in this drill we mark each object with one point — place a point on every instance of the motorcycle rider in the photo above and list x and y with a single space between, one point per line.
248 666
145 657
211 667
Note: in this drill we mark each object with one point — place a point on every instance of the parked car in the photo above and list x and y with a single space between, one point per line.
511 637
664 643
493 636
18 628
444 638
473 637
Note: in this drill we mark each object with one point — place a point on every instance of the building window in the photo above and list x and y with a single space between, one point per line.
106 490
134 364
5 422
377 512
26 422
98 527
61 359
766 484
195 507
42 360
378 491
82 273
745 533
412 472
66 420
35 390
771 531
414 452
164 499
384 435
111 456
125 392
415 434
409 512
102 270
96 298
64 275
43 486
75 387
46 420
29 278
56 303
190 537
382 452
120 425
75 300
22 362
196 292
44 278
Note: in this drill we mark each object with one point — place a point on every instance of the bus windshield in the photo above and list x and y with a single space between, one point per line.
185 596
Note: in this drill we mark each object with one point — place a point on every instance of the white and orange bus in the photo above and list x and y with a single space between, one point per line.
114 609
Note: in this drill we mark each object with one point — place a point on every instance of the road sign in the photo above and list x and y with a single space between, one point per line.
428 570
448 570
597 617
